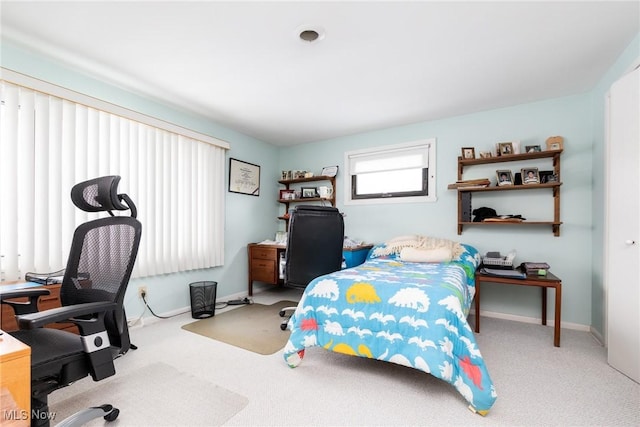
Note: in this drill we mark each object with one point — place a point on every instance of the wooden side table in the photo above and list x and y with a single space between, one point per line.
543 282
15 381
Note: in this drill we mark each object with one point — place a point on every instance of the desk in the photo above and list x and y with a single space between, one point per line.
544 282
15 381
45 302
264 261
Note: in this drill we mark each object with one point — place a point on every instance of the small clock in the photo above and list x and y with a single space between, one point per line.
330 171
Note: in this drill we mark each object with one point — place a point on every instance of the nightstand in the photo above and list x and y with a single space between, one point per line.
543 282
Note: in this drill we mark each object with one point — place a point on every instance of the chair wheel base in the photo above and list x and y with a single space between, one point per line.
111 416
283 326
282 313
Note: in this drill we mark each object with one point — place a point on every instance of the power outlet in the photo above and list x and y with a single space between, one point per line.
142 290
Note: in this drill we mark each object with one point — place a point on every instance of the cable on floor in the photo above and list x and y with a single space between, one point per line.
144 298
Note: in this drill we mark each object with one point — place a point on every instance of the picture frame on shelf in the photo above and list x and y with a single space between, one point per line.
530 176
505 148
468 153
244 177
286 194
505 177
287 175
533 149
555 143
330 171
309 192
485 154
547 177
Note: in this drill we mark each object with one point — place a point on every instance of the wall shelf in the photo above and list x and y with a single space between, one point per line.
288 182
554 155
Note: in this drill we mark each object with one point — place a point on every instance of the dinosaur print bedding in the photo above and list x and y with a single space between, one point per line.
409 313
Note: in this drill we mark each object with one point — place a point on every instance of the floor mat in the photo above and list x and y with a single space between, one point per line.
151 396
254 327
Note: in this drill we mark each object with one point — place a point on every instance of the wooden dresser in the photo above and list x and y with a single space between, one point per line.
45 302
264 264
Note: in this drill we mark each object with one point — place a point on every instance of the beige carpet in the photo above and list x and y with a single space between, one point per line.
153 396
254 327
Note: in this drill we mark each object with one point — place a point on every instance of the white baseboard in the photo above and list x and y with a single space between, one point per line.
149 319
597 336
535 320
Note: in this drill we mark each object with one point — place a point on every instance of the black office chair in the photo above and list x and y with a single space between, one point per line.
314 247
102 255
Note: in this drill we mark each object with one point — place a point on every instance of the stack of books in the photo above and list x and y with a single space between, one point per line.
470 183
537 268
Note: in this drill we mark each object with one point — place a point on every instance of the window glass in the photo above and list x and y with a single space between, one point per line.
391 174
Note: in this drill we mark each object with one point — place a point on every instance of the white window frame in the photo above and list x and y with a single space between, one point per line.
429 145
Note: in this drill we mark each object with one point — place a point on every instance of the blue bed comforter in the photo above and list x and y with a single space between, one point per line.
410 313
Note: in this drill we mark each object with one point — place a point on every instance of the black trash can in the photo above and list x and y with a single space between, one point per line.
203 299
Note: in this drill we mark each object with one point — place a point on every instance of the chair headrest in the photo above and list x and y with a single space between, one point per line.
100 195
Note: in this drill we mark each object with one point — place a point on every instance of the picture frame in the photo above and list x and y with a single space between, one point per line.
532 149
530 176
505 148
309 192
468 153
286 194
548 177
505 177
330 171
244 177
555 143
485 154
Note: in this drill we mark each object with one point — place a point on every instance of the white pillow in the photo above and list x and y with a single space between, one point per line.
425 255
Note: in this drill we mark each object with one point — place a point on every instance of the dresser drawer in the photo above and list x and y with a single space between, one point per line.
263 270
264 253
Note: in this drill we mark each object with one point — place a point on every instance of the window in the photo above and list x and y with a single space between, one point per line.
392 174
52 138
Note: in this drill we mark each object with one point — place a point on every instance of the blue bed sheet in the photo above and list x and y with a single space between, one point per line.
408 313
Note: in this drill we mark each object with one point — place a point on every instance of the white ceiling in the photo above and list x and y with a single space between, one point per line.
380 64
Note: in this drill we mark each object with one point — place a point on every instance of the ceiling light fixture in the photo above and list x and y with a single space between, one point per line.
310 35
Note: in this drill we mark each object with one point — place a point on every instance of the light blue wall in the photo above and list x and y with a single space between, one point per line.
569 255
630 56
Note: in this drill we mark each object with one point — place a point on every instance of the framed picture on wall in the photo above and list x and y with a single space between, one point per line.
244 178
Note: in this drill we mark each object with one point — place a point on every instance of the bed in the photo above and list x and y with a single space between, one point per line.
406 304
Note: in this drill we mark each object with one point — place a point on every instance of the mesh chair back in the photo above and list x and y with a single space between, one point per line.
102 255
98 195
314 244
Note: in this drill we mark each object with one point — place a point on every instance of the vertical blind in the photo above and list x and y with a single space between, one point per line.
48 144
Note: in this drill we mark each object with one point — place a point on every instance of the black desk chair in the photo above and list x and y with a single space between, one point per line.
100 262
314 247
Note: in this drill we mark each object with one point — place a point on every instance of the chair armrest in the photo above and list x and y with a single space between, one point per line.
23 307
70 313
